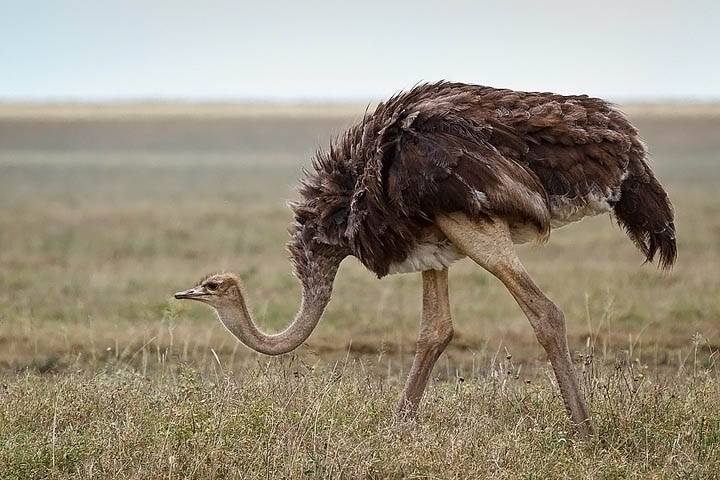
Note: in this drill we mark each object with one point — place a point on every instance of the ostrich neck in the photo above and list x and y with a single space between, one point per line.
315 296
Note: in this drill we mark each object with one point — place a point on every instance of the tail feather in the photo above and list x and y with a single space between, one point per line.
645 212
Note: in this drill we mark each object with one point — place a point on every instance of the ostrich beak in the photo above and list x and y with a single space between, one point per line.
192 294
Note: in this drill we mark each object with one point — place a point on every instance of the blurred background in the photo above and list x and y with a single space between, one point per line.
145 144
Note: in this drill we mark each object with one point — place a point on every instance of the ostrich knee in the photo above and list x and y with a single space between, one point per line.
549 327
434 340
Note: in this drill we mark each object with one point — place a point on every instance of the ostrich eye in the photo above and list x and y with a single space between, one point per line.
211 286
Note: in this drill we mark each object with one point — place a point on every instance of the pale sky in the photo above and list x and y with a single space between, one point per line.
356 50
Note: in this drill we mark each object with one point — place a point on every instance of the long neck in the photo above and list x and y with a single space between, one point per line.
316 294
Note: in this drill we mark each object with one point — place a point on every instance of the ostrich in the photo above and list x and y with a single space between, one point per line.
450 170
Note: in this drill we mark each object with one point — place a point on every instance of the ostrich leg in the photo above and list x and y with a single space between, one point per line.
435 333
489 244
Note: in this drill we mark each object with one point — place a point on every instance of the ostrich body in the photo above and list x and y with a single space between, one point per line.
449 170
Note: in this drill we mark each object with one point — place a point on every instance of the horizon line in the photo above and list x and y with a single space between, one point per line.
299 100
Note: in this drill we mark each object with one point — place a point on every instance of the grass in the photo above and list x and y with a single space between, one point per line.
103 374
285 419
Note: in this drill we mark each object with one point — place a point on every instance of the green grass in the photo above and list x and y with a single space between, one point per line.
103 374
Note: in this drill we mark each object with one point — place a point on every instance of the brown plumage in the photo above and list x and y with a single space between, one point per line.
537 160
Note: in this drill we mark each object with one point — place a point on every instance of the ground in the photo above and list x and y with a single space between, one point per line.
105 212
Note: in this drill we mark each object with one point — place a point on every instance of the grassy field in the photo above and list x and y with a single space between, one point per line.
104 212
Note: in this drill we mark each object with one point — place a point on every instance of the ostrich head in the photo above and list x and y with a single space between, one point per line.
216 290
225 294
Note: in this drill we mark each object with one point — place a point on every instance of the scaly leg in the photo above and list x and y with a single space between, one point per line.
435 333
489 244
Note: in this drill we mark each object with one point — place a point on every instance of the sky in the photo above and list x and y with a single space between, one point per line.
98 50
